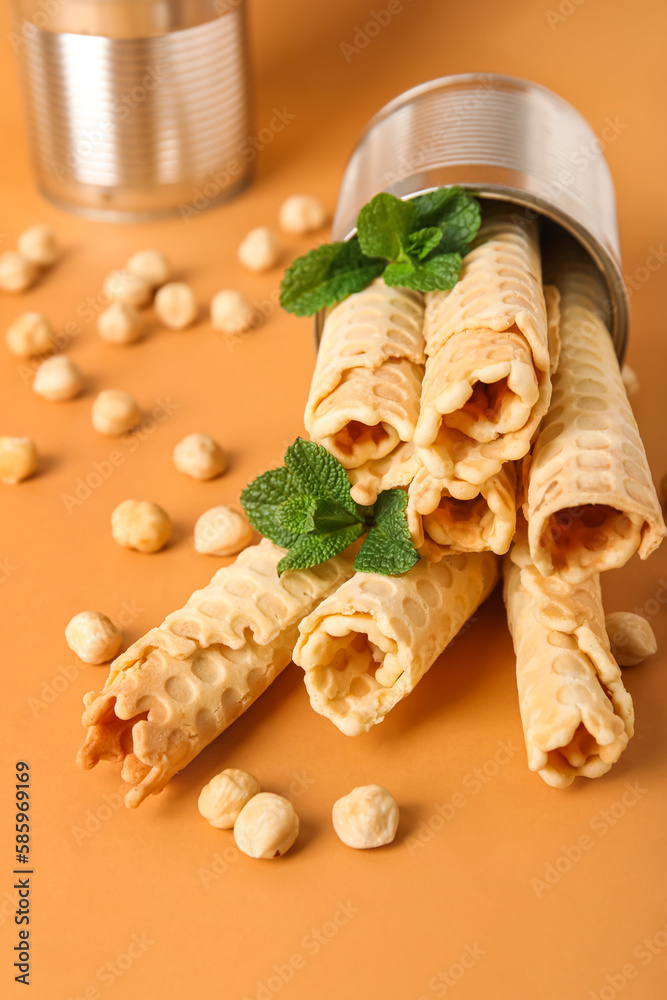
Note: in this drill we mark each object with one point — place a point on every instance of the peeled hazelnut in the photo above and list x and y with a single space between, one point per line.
93 637
18 459
221 801
151 265
631 638
260 249
58 378
115 412
120 323
222 531
38 245
266 827
231 312
16 273
140 525
176 305
302 214
128 288
30 335
199 456
630 381
367 817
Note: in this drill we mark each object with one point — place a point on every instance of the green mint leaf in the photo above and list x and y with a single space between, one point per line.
440 272
296 514
421 243
456 212
383 226
388 547
321 476
326 275
263 500
311 550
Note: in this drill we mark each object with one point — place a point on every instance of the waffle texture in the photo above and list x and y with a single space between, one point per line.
492 344
367 645
396 469
577 716
181 685
364 396
591 502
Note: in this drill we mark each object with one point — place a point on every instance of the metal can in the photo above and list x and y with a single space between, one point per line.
135 108
503 138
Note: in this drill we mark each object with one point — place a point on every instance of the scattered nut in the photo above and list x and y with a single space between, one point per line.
129 288
302 214
120 323
260 249
222 531
231 312
38 245
58 378
151 265
30 335
266 827
176 305
199 456
115 412
16 273
221 801
18 459
630 381
140 525
631 638
93 637
367 817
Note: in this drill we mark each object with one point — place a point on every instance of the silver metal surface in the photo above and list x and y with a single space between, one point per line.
151 118
502 138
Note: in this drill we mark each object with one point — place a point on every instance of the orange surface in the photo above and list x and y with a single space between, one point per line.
155 903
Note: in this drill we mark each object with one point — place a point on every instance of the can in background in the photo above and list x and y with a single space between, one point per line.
134 107
503 138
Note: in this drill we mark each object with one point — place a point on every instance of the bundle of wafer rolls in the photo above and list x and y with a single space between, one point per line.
503 392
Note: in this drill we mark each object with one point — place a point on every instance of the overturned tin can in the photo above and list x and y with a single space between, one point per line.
503 138
136 108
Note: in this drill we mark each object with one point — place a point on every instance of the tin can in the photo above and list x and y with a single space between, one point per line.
135 108
503 138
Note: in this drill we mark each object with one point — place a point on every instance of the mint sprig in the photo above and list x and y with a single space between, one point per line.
306 507
413 244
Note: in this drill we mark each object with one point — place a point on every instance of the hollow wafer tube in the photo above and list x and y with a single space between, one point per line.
365 647
181 685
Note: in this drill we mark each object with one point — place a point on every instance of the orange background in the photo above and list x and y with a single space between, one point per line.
391 923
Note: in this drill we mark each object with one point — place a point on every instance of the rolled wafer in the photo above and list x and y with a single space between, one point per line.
364 396
591 502
172 692
443 518
396 469
577 716
367 645
492 345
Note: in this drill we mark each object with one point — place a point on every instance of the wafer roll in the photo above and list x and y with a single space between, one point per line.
491 350
396 469
591 502
366 647
172 692
577 716
364 396
441 522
